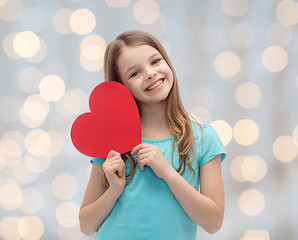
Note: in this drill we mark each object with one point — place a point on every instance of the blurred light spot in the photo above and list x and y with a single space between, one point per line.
64 186
227 64
275 58
32 201
9 228
295 134
37 142
278 34
73 102
201 115
246 132
158 28
61 21
67 214
3 3
6 161
29 79
211 39
253 168
234 7
8 46
28 122
201 96
26 44
9 108
52 88
55 67
93 53
37 164
287 13
41 54
82 21
10 148
33 19
11 10
146 11
242 36
34 111
256 235
9 180
224 131
30 228
248 95
117 3
23 174
235 168
91 66
56 143
93 40
251 202
285 149
15 136
248 168
11 196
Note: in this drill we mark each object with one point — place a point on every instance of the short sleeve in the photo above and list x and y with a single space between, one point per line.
99 161
211 145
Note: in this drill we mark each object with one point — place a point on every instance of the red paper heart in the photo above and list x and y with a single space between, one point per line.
113 123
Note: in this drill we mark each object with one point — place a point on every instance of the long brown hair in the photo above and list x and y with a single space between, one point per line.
177 118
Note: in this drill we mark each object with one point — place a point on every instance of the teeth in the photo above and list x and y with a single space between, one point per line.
155 85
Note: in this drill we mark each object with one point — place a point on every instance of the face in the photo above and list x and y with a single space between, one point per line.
145 73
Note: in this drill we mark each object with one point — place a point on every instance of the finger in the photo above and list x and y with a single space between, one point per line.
116 168
143 151
115 160
113 153
139 147
142 163
136 149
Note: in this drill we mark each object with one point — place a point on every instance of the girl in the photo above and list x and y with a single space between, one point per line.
153 192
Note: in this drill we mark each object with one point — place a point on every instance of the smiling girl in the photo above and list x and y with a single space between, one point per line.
172 181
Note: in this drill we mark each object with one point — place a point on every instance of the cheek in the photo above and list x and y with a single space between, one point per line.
133 88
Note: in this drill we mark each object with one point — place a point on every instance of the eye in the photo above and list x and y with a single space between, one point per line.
134 74
155 61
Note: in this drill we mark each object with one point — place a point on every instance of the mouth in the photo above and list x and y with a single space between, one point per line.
155 84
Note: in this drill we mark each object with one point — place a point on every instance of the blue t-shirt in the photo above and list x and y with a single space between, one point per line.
147 209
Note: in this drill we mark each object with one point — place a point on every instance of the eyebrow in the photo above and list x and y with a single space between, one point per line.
134 66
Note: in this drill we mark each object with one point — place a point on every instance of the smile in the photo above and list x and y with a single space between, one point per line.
155 85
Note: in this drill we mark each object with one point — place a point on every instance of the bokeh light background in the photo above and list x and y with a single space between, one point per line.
236 62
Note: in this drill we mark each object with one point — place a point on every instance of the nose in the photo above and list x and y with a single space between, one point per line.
151 73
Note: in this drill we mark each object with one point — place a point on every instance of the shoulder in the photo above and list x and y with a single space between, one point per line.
202 131
208 142
99 161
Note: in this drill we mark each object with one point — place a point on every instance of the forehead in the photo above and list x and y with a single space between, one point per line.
133 55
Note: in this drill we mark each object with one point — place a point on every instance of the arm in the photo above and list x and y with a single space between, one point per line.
205 208
97 204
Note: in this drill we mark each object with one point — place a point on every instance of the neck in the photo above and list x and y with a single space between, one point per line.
153 121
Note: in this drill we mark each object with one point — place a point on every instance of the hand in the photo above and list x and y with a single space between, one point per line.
151 156
114 168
